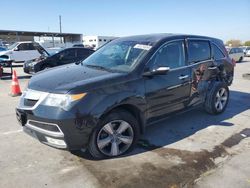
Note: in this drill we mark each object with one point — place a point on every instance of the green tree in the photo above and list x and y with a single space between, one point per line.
247 43
234 43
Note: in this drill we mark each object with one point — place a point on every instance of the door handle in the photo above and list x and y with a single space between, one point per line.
212 68
183 77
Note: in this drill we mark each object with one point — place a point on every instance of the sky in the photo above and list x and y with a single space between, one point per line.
224 19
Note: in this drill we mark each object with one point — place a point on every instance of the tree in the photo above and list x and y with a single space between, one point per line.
234 43
247 43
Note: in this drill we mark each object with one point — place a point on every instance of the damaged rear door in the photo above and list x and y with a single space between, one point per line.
200 61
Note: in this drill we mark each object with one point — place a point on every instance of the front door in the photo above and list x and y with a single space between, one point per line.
168 93
67 56
24 52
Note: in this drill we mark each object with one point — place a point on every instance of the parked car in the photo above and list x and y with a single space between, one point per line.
247 54
5 63
237 54
66 56
78 45
2 49
106 102
23 51
244 49
3 44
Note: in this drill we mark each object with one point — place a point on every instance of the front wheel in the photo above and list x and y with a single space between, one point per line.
115 135
217 98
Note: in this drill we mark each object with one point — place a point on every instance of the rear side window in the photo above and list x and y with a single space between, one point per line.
198 50
217 53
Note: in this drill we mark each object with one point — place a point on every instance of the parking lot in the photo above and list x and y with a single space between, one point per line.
189 149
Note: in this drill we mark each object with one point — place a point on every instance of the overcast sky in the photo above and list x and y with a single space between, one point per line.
225 19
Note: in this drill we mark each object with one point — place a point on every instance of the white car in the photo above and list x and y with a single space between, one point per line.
23 51
237 54
247 53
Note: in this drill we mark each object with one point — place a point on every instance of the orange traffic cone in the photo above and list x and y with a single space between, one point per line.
15 88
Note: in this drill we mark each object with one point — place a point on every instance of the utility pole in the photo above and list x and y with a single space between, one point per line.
60 24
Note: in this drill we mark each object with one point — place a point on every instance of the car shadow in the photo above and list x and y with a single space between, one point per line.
17 65
183 125
243 61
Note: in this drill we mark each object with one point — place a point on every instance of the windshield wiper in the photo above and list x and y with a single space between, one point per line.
99 67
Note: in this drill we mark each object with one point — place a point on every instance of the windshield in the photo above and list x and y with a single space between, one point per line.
121 56
12 46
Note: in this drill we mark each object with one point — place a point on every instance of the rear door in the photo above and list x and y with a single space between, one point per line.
168 93
200 60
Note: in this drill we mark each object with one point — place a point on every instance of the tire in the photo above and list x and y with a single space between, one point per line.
217 98
105 144
241 58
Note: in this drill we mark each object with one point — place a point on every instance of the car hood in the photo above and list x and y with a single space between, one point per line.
75 78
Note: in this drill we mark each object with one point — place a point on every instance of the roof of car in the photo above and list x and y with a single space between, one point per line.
153 38
25 42
78 48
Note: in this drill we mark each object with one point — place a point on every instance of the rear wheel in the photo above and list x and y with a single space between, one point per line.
217 98
116 135
241 58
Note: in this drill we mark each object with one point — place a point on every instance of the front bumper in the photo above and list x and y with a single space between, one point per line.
50 136
29 69
54 126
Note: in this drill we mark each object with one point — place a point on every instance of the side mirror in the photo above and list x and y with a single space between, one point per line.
16 49
157 71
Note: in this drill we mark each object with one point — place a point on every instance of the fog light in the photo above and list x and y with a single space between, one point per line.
57 142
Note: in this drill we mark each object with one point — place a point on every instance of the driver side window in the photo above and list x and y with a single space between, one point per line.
23 47
67 54
171 55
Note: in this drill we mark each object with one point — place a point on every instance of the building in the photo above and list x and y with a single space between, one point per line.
47 39
96 41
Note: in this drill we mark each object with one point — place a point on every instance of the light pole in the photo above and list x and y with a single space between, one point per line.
60 24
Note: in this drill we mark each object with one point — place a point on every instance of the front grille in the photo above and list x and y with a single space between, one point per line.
30 102
45 126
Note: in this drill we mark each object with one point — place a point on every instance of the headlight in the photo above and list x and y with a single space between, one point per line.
33 62
61 100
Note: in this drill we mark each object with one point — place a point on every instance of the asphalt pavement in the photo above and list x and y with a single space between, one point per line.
191 149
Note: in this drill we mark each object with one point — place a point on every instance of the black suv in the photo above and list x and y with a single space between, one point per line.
66 56
104 103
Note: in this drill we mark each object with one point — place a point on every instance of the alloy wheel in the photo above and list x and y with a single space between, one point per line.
221 99
115 138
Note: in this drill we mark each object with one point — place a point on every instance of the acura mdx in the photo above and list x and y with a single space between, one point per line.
105 102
